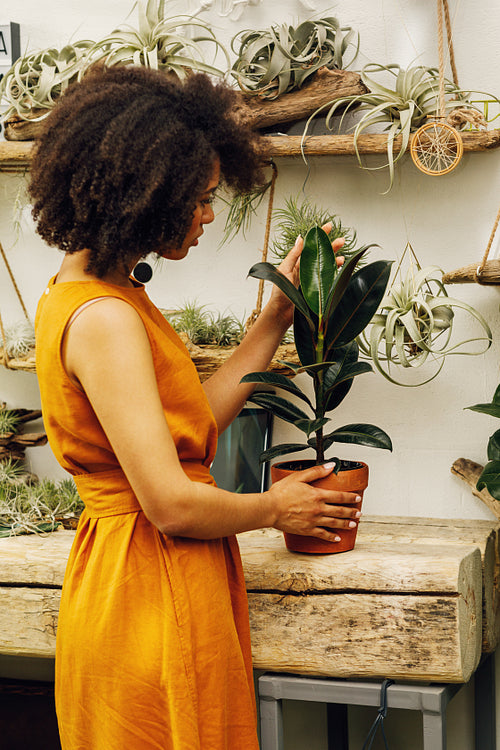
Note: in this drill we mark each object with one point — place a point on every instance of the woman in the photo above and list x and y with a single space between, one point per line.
153 645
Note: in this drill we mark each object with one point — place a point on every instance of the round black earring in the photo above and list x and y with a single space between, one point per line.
142 272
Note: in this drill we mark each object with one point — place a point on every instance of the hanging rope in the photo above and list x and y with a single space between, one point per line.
260 294
481 266
450 42
6 357
442 103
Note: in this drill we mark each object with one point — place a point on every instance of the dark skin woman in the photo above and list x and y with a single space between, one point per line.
153 643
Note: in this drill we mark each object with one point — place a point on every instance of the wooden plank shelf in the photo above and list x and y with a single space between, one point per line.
15 156
343 145
417 599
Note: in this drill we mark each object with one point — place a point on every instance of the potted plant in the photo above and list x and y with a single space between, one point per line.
332 307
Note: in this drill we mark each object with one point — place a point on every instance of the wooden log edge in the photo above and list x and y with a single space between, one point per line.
469 471
490 274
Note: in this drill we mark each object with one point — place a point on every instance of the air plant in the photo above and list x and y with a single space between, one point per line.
9 422
19 339
34 83
280 59
298 218
160 43
415 324
402 108
204 327
37 507
242 207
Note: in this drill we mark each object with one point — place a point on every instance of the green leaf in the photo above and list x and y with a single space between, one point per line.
359 303
494 447
268 272
490 478
277 380
359 434
281 450
318 269
492 409
281 408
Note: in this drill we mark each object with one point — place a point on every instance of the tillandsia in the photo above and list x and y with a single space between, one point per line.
20 339
402 106
176 45
9 422
490 476
38 506
280 59
296 219
34 83
332 306
414 325
204 327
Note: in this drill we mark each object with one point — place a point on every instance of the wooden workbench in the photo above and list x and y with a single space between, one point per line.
417 599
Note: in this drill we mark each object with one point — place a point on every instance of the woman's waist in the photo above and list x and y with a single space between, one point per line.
109 493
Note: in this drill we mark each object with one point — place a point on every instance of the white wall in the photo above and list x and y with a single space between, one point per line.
447 219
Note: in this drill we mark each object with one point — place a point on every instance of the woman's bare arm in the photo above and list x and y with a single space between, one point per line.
107 352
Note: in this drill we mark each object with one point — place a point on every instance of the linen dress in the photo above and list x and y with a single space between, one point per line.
153 644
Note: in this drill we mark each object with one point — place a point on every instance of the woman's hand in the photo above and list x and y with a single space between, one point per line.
289 267
302 508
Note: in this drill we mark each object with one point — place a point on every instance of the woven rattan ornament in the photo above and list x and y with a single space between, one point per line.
437 147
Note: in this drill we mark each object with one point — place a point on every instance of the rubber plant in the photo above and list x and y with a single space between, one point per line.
274 61
414 325
490 476
401 106
175 45
332 307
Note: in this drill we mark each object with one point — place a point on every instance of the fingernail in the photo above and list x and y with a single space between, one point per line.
330 465
352 524
299 238
358 499
337 539
357 514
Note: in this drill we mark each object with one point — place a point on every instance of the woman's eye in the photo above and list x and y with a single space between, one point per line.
207 201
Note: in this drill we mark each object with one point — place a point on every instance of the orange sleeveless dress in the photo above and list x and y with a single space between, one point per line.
153 642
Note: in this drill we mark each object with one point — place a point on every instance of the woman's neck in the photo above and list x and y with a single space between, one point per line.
73 268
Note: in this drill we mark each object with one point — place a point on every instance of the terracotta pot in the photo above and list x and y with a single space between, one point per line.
352 477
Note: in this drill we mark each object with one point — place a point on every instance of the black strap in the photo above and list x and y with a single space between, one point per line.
379 721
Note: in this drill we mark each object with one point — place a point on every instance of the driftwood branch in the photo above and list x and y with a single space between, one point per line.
469 471
324 87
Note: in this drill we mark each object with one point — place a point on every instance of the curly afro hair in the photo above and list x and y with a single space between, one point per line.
124 157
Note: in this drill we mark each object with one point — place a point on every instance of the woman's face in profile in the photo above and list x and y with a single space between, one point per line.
203 214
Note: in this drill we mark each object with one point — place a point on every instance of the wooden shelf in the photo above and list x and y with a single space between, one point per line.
343 145
15 156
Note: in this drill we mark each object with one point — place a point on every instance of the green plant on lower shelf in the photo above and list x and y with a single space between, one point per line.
401 106
204 327
414 326
274 61
35 506
490 476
